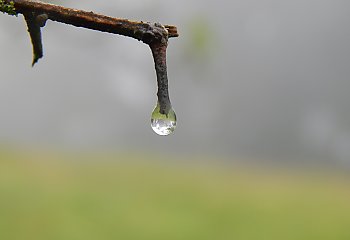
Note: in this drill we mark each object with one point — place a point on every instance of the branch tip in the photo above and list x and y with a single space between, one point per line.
34 23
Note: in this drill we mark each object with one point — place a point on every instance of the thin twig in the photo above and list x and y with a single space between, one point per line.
34 23
159 56
154 34
143 31
148 33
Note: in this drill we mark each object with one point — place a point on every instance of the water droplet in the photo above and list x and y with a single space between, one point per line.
163 124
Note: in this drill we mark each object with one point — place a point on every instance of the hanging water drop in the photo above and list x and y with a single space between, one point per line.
163 124
163 120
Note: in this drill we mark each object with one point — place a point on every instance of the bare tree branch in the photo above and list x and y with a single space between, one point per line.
156 35
34 11
143 31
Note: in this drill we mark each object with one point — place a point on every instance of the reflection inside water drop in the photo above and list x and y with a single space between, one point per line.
163 124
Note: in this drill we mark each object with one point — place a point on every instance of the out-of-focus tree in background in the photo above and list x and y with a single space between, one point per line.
251 81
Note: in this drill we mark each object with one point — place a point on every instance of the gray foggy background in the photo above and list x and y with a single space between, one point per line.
256 79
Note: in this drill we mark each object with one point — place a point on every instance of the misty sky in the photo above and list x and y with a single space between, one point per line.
247 78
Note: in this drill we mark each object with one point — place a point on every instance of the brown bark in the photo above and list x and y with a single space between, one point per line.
143 31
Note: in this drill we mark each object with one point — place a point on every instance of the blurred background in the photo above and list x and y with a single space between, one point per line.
262 145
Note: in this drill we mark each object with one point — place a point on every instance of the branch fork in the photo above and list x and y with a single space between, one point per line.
156 35
36 14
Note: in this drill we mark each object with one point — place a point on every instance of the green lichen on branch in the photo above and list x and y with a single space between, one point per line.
8 8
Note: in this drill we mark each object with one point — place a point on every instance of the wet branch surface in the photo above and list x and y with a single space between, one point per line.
156 35
143 31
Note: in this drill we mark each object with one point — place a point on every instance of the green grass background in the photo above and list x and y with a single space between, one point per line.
51 196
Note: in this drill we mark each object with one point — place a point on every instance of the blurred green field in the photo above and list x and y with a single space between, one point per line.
46 196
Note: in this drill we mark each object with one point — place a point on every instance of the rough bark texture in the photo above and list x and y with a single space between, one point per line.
154 34
159 56
143 31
